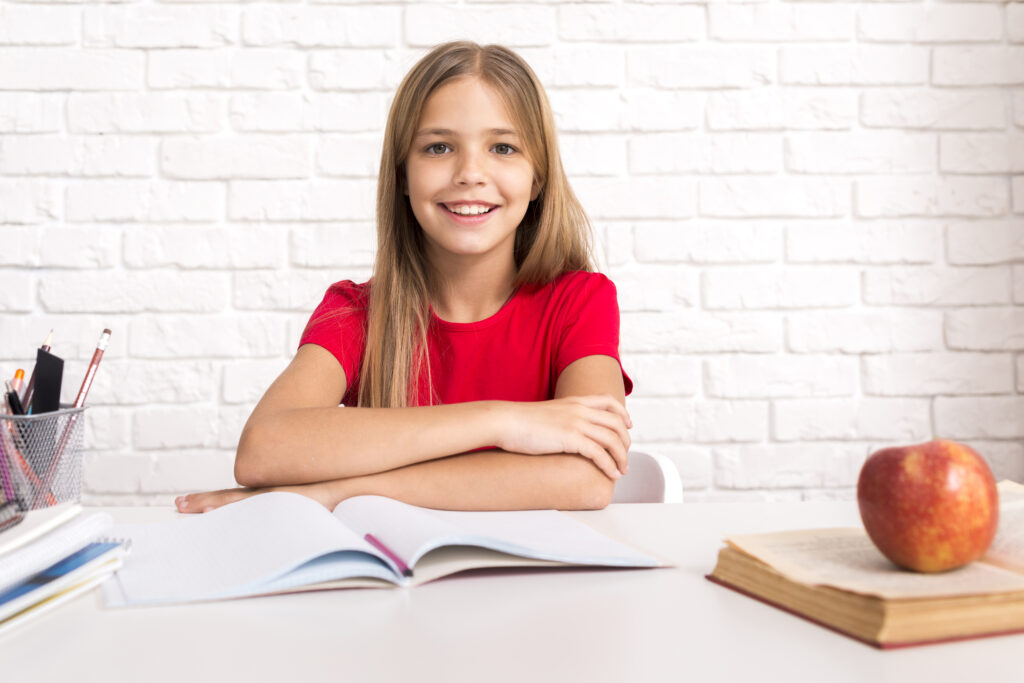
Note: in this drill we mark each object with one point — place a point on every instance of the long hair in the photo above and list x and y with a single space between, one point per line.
553 237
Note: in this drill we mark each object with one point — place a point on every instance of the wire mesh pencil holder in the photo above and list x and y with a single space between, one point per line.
41 457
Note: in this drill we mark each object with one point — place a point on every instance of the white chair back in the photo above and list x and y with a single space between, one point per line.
651 479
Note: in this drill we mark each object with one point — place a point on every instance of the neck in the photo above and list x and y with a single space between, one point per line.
474 291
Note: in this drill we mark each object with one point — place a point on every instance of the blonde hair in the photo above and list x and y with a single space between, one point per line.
554 236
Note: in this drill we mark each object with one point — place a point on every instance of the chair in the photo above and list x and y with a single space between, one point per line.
651 479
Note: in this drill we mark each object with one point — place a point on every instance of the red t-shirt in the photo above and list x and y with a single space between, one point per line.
516 354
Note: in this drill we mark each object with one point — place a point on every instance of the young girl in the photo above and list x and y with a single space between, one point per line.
479 366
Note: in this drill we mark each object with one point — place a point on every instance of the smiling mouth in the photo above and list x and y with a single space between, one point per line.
468 215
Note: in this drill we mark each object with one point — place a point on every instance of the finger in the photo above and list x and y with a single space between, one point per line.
610 442
614 423
594 452
608 403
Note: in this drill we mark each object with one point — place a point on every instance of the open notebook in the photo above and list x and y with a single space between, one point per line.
282 542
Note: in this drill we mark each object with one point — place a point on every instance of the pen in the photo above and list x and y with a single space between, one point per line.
384 549
19 376
12 399
30 389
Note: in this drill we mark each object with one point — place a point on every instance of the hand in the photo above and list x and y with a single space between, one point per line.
321 492
592 426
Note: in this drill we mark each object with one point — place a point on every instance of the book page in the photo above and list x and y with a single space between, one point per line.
1007 549
411 532
847 559
237 549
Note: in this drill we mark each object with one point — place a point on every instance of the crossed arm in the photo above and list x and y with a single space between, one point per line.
565 453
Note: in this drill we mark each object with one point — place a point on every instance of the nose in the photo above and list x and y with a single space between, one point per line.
469 169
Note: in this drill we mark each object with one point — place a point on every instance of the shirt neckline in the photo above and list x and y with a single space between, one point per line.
496 317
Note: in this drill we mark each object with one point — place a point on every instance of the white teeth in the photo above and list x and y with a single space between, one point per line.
469 210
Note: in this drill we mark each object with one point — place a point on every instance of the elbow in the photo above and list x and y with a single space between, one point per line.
250 459
592 486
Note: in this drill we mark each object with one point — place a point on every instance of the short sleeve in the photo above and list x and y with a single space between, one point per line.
591 323
338 324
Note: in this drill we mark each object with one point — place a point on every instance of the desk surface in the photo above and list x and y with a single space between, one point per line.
665 624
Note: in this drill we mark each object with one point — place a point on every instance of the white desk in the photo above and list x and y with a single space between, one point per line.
554 625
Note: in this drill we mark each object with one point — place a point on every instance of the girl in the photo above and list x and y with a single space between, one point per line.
479 366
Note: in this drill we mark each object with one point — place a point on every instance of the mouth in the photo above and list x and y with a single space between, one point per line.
470 216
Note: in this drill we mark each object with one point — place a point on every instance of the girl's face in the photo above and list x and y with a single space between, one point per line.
457 158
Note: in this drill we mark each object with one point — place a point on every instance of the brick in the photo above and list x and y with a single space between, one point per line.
662 419
288 200
341 245
732 421
860 153
267 290
29 201
1020 374
614 244
107 427
708 242
788 465
290 113
1006 459
43 25
86 156
986 329
662 374
316 26
985 242
933 109
231 420
129 382
144 113
245 381
190 471
924 286
982 153
351 156
187 246
979 418
697 66
995 65
769 287
245 156
693 332
853 65
353 69
702 153
49 69
780 376
1018 284
870 331
144 201
928 374
880 242
101 292
17 289
255 69
74 335
588 111
693 464
159 26
205 336
947 23
585 66
900 420
24 112
780 22
585 154
631 22
610 198
115 472
656 110
945 196
781 109
1018 195
1015 22
773 197
655 289
174 427
1018 107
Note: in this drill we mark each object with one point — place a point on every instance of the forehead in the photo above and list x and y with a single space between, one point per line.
466 106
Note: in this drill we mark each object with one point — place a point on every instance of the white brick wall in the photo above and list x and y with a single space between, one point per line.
814 213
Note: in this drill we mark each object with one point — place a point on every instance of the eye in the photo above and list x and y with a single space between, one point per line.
431 147
512 149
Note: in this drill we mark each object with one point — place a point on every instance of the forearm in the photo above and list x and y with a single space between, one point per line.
487 480
319 444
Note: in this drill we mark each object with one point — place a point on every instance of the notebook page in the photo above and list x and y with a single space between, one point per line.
231 551
51 548
411 531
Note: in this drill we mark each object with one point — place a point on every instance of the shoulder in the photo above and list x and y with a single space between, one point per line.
347 292
577 287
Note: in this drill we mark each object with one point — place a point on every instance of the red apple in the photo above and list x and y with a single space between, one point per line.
929 507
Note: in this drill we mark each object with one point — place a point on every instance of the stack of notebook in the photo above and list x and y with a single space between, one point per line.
50 556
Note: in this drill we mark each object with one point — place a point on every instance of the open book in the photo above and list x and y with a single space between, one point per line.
837 578
283 542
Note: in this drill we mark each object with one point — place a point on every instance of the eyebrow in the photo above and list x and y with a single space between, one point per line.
447 131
